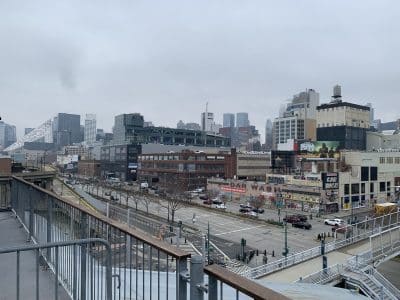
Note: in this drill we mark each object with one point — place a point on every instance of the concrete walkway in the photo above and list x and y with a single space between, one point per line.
12 234
314 265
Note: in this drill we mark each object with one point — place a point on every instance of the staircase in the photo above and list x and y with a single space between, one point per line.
368 284
237 266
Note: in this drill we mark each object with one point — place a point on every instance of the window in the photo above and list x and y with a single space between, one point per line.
363 188
389 160
388 186
364 173
381 160
371 187
346 189
397 160
355 188
382 187
373 173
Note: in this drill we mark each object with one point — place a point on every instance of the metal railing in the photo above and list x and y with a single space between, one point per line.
323 276
355 233
142 267
67 269
382 280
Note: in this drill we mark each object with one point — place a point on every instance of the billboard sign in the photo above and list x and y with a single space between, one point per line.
330 181
319 146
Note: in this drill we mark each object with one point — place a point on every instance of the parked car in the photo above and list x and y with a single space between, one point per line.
302 218
216 201
334 222
302 224
203 197
342 229
258 210
244 210
221 206
107 193
252 214
292 219
207 202
245 206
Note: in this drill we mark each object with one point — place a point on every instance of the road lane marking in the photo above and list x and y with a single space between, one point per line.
238 230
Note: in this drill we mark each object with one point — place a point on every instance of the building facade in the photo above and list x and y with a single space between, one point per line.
207 121
186 170
228 120
66 129
126 127
252 165
297 121
242 119
89 168
90 129
368 178
8 135
344 122
120 161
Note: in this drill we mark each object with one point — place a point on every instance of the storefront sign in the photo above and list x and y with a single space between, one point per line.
330 181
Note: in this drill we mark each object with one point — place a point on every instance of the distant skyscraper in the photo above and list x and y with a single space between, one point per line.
90 129
125 126
8 135
371 113
242 119
268 135
27 130
67 129
228 120
207 119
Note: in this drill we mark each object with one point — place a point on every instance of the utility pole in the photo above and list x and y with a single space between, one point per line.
285 249
208 242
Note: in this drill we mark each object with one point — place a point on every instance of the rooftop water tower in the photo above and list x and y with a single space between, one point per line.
337 94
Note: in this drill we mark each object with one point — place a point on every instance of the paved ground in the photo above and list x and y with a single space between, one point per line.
258 235
314 265
12 234
391 270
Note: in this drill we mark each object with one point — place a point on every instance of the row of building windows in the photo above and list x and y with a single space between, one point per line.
389 160
357 188
179 157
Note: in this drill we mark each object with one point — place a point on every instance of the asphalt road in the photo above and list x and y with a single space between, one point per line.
258 235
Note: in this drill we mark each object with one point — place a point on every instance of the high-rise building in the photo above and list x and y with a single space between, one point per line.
125 126
298 120
242 119
371 113
90 129
67 129
268 135
344 122
207 120
228 120
8 135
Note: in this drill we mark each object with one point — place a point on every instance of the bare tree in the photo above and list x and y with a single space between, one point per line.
173 203
146 200
258 202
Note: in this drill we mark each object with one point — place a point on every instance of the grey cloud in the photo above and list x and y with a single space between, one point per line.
166 59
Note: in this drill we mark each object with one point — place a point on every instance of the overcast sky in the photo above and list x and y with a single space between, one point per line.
166 59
